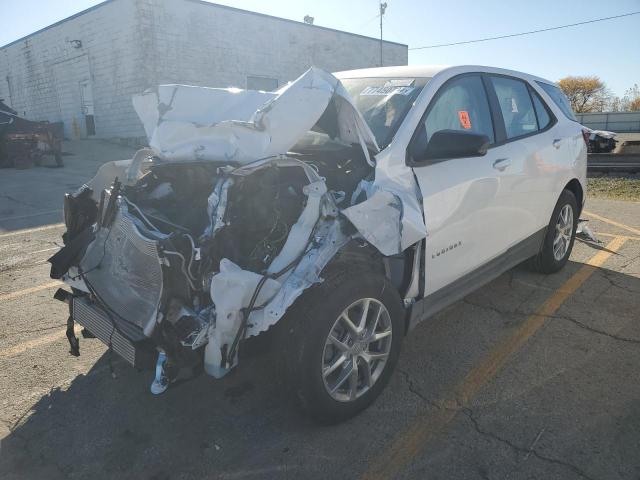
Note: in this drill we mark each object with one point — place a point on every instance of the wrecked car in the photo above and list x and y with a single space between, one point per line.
602 141
336 213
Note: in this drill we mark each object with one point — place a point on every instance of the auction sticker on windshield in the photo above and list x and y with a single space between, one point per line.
387 90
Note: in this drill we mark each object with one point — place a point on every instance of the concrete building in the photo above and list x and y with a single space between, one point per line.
83 70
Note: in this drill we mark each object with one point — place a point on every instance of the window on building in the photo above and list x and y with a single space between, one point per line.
515 105
262 83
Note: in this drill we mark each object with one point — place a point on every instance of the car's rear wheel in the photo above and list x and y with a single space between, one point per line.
560 235
342 341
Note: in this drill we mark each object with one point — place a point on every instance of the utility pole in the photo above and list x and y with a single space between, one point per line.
383 8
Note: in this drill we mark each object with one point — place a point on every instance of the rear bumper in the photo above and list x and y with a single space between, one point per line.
126 339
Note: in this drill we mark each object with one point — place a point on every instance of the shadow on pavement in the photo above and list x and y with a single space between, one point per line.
101 427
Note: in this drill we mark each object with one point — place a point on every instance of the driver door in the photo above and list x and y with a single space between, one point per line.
463 201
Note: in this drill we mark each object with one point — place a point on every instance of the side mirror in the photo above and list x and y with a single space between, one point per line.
445 144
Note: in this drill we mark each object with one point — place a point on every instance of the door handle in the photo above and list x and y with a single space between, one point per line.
501 164
557 142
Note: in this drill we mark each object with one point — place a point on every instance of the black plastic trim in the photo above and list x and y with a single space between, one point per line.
499 129
470 282
552 118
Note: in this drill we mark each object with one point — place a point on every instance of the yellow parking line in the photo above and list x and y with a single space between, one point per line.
31 230
50 249
612 222
26 291
404 448
613 235
34 343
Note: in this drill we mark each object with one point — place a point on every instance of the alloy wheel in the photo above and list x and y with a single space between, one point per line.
564 231
356 349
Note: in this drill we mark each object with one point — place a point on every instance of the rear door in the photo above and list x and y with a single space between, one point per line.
526 143
467 202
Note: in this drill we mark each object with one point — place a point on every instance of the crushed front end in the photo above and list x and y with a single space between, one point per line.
178 255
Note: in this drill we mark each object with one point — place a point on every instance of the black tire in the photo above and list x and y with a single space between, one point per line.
545 261
306 329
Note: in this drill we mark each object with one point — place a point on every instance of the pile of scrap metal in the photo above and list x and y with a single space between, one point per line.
602 141
23 142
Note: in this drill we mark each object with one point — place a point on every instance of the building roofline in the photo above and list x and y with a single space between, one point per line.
226 7
203 2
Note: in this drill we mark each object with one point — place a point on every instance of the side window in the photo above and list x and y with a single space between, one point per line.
559 98
541 111
515 105
460 105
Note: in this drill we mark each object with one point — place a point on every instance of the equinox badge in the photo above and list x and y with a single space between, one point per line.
445 250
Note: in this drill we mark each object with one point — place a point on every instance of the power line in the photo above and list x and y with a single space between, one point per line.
525 33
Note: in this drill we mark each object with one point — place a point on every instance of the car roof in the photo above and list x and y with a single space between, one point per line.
429 71
400 71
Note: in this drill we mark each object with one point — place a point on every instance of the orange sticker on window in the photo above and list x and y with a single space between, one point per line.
465 121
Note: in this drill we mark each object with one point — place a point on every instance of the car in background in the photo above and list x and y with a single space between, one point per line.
601 141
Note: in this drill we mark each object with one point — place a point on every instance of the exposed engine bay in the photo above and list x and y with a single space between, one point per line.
189 256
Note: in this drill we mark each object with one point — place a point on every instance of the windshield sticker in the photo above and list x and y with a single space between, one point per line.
514 106
465 121
401 82
387 90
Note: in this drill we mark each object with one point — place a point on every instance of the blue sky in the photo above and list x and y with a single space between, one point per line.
609 49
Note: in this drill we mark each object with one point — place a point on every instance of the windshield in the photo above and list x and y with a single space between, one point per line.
384 102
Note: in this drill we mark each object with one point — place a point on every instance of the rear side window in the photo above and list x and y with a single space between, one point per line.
541 111
461 105
516 106
559 98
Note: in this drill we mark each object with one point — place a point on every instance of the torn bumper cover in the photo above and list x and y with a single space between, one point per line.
172 252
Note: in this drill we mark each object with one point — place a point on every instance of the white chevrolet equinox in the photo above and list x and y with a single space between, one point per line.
332 216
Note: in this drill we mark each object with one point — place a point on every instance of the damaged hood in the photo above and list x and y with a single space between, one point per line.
187 123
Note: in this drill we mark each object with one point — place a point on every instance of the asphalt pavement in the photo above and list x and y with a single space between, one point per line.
531 376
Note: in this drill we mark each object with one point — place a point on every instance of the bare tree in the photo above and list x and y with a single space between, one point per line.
630 102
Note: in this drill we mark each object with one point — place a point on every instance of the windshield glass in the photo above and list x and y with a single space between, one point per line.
384 102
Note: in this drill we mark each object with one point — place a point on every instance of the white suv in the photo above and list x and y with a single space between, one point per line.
336 213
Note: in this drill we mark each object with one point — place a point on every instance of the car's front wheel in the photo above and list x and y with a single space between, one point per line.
342 341
560 235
